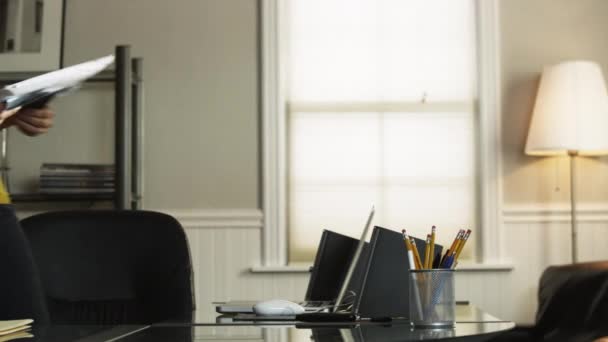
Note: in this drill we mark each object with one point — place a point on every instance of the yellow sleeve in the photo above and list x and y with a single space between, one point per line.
4 198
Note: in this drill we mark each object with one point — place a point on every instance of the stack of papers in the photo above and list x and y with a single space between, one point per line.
16 329
52 83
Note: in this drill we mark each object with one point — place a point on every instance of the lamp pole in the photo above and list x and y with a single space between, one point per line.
574 241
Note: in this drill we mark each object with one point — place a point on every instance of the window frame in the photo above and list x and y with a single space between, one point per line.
489 247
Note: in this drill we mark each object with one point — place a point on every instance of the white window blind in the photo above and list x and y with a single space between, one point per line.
381 98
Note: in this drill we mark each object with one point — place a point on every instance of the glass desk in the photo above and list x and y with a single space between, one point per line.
465 313
65 333
471 323
354 333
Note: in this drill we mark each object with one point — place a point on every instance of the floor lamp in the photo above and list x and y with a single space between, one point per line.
570 118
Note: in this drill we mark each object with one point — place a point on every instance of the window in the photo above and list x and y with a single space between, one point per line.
382 106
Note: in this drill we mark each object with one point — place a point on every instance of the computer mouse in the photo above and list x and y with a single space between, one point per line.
277 307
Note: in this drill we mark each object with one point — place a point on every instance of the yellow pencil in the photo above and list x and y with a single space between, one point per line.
416 254
410 252
432 248
457 244
460 233
461 246
427 251
448 252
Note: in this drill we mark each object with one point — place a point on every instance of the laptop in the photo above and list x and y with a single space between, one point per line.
331 273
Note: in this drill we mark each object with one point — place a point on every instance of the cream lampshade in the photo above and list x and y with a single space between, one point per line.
570 117
571 111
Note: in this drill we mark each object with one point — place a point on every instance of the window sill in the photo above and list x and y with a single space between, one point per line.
464 267
293 268
485 267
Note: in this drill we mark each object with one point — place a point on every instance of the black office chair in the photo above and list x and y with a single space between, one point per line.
572 305
112 267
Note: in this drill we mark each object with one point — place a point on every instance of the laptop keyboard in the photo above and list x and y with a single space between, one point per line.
315 304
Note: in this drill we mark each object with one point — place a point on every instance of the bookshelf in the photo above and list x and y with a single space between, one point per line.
39 197
127 77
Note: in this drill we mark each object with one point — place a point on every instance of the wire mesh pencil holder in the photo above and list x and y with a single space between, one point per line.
431 298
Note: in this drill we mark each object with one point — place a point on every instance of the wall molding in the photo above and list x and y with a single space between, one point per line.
489 161
464 267
538 213
217 218
274 169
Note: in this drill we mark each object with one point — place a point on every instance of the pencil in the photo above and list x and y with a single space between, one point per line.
460 247
452 248
432 247
416 254
460 232
408 245
457 244
410 253
427 251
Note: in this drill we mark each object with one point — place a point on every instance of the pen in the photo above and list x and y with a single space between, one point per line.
325 317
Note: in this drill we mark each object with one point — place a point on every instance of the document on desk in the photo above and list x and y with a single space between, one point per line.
14 326
52 83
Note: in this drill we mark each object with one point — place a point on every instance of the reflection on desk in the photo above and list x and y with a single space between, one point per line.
470 322
82 333
354 333
464 314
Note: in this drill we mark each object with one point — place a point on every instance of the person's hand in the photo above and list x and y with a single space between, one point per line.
5 114
32 121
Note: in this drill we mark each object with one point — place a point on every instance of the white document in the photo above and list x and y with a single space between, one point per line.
9 327
52 83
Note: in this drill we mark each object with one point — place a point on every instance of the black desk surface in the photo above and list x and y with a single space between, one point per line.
471 323
464 314
260 332
356 333
84 333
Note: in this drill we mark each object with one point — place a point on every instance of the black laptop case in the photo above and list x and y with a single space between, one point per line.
385 290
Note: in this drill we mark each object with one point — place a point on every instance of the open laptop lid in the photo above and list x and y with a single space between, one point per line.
385 290
352 267
339 267
331 263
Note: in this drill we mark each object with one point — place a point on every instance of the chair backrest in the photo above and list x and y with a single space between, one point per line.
112 267
573 299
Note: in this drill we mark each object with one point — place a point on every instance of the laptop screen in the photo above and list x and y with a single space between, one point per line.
333 258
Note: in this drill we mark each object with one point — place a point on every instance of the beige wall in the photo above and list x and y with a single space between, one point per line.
201 133
202 136
536 33
201 97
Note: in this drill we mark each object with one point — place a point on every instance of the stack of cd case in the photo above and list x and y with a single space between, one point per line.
63 179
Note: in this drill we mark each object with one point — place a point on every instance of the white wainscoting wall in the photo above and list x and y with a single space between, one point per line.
225 244
539 236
